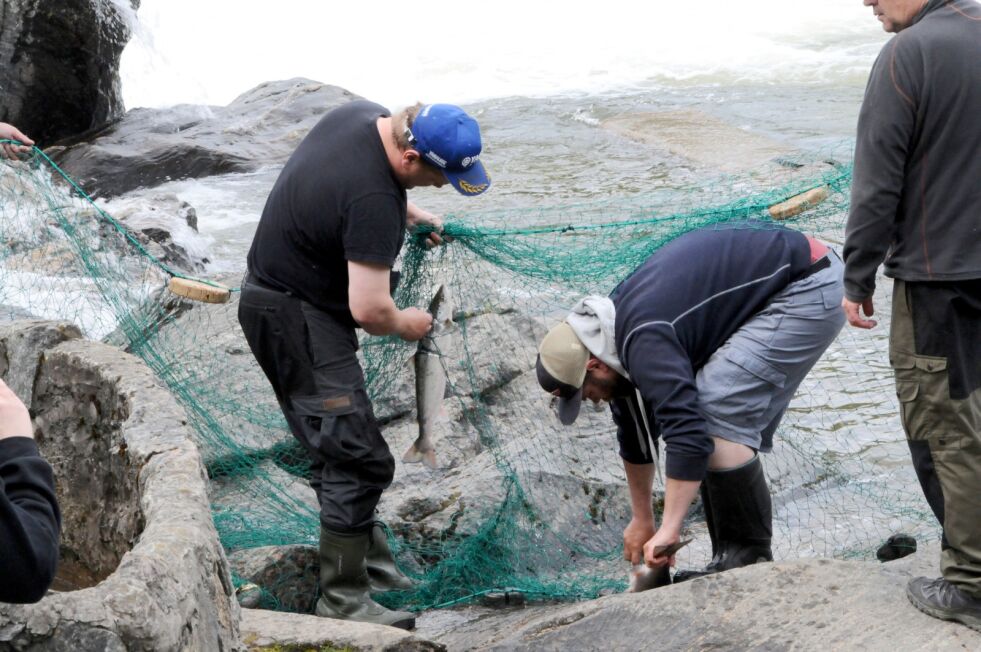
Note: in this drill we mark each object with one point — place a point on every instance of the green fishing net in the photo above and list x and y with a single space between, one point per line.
519 505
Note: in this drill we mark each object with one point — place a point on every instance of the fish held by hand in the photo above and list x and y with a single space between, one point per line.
430 381
643 578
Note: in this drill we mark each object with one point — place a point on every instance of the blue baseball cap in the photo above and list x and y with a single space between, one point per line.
449 139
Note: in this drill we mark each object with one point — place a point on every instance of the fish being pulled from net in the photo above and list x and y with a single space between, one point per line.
643 578
430 381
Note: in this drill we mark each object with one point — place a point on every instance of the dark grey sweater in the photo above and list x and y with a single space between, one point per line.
916 191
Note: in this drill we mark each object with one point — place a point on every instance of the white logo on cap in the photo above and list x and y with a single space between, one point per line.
436 158
469 160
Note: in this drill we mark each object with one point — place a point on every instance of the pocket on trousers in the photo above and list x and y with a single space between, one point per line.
832 295
342 421
748 392
924 401
829 296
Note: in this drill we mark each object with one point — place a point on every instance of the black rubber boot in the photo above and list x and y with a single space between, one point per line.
344 585
739 514
743 516
383 573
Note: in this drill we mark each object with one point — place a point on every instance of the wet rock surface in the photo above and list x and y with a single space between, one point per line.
59 63
165 226
147 147
287 574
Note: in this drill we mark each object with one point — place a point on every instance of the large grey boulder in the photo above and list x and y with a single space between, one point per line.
150 146
141 565
59 64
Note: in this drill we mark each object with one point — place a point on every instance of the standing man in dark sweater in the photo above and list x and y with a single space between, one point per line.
703 346
30 522
916 204
320 267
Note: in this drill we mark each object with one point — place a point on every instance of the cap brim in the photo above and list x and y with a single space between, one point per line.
471 182
568 408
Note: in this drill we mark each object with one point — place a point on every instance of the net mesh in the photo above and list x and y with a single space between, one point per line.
518 504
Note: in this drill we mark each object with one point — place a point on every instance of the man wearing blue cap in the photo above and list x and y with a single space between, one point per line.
320 266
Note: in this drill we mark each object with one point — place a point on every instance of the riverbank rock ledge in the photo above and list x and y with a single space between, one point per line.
141 565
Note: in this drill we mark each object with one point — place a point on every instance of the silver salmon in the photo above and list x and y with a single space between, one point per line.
430 381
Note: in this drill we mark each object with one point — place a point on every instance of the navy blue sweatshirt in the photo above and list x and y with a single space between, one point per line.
30 522
675 310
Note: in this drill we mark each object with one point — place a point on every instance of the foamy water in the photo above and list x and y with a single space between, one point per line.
187 51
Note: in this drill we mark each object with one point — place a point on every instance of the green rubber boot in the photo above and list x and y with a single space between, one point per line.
383 573
344 585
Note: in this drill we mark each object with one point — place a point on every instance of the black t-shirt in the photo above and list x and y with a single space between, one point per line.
335 201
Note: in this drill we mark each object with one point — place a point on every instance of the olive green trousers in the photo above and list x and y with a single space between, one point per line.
952 430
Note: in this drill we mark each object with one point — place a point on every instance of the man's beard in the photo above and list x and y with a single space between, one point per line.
619 386
622 387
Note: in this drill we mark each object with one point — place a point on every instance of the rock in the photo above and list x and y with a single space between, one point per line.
21 345
700 138
287 574
262 630
141 565
150 146
249 596
59 65
165 226
896 546
810 604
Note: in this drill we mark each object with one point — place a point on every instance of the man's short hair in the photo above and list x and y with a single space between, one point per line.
402 121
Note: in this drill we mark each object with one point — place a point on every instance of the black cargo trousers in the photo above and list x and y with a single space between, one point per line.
310 357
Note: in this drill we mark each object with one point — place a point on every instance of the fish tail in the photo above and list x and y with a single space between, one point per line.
413 455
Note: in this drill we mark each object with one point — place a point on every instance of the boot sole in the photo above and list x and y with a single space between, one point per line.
406 623
967 620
